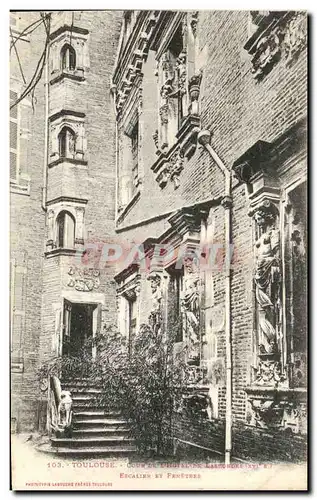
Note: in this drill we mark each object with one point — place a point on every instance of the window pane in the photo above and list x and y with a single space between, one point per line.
69 231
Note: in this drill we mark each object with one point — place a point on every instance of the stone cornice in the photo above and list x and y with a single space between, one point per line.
66 112
134 54
61 199
266 158
66 27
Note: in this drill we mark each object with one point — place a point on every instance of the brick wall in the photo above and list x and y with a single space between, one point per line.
27 223
248 443
238 111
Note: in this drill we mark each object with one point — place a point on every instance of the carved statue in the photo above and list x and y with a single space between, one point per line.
267 277
190 304
194 90
167 87
155 317
72 144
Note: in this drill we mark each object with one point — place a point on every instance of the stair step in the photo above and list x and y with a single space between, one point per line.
93 441
95 431
96 412
93 452
88 451
103 421
80 390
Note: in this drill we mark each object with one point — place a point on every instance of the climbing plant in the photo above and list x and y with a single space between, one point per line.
144 382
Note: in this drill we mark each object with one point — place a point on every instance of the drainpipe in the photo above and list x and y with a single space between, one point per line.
113 91
45 162
203 138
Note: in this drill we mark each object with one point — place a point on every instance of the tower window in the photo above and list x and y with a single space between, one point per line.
67 141
68 58
65 230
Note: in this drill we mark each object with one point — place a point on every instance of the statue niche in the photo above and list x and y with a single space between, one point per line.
267 279
155 317
191 309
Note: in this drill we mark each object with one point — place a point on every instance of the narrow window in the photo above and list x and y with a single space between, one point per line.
68 58
65 230
135 156
132 319
296 282
175 289
13 137
178 57
67 142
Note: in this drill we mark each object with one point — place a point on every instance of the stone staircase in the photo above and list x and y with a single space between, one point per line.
94 432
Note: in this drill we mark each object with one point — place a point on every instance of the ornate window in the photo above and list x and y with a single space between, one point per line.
135 156
67 143
67 137
179 80
296 282
65 225
129 179
128 292
174 297
279 284
172 83
132 319
68 58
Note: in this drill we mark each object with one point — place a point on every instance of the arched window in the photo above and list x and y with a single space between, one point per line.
65 230
67 142
68 57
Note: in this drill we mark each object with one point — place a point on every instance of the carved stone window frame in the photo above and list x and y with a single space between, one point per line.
295 361
76 207
128 288
173 151
78 39
75 121
130 116
272 402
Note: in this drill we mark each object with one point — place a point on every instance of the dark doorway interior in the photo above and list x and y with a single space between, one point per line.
78 327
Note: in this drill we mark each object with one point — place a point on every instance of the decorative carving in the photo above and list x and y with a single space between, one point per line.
181 69
134 67
194 21
277 412
163 177
191 308
155 318
83 280
278 33
164 114
194 90
295 36
267 53
167 88
266 413
176 165
267 279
